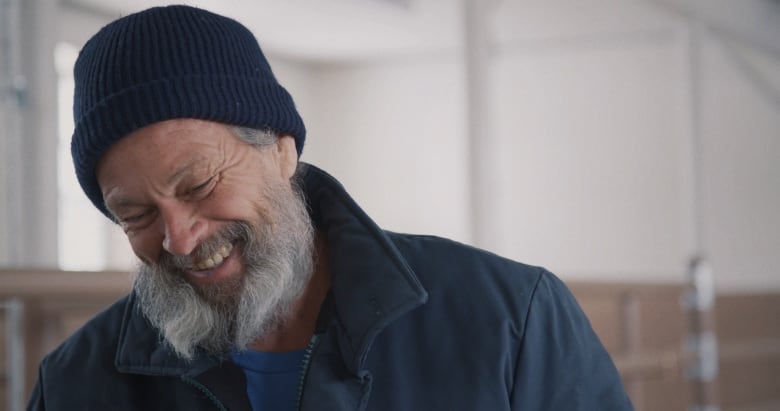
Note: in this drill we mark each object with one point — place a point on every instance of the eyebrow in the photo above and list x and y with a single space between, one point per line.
115 200
181 171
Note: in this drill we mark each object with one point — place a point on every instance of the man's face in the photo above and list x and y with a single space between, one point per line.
172 185
224 240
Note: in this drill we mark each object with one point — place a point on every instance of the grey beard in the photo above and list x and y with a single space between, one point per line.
230 315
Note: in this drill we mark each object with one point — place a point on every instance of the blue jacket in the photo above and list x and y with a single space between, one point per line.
412 323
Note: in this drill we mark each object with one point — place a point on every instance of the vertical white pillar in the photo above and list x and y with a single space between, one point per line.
12 96
28 87
36 231
489 169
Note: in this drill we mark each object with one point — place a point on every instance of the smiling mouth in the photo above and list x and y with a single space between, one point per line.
215 259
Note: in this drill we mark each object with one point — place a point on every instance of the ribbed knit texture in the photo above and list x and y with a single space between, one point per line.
165 63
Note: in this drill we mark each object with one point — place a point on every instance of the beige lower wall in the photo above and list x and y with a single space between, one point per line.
645 327
55 303
642 327
748 328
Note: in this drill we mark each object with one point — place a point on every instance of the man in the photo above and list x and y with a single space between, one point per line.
262 285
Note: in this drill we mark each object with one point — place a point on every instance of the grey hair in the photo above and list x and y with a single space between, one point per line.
253 136
264 138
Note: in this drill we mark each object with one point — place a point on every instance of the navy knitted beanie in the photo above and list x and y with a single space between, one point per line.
165 63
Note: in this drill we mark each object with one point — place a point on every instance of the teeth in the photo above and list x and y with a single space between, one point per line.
224 251
215 259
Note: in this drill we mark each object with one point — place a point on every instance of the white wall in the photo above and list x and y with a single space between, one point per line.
741 122
597 138
394 134
601 133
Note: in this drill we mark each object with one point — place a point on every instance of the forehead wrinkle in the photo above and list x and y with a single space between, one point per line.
205 155
181 171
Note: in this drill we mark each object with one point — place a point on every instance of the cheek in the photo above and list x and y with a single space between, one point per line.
146 246
235 202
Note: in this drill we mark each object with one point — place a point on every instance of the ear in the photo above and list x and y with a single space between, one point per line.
288 155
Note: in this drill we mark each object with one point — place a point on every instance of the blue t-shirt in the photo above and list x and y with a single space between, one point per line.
272 378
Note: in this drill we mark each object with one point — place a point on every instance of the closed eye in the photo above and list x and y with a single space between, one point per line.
133 221
134 217
201 188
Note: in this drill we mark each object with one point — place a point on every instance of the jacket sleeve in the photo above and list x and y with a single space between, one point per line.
562 365
36 400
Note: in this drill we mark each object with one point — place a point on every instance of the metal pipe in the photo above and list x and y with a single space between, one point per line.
702 343
15 355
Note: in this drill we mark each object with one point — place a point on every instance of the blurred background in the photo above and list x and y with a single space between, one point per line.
630 146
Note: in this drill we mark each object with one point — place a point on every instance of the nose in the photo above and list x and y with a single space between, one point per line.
184 229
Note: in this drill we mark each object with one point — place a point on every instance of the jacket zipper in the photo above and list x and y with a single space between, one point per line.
202 388
305 369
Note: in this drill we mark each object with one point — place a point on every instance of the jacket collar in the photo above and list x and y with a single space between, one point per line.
372 286
141 349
